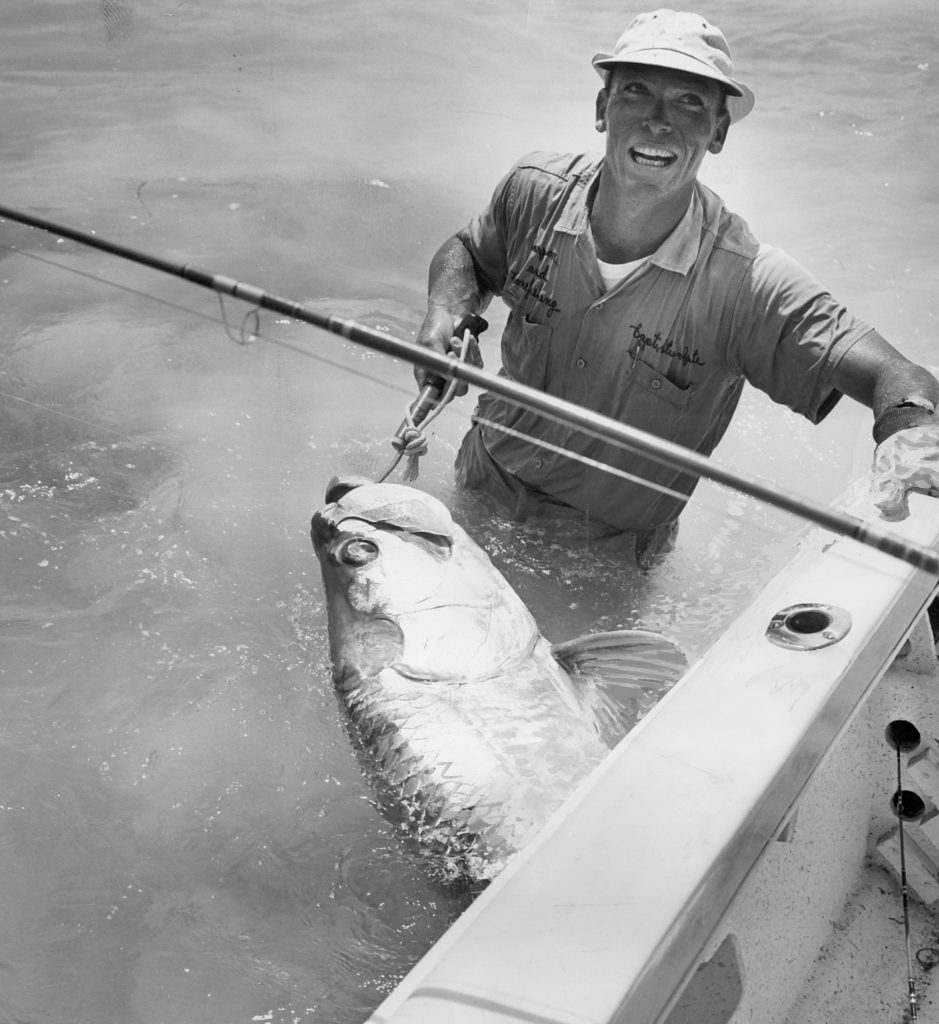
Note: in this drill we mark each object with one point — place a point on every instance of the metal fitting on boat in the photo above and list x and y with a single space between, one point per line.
908 805
808 627
902 735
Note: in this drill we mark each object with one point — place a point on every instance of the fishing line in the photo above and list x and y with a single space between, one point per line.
572 415
64 415
258 334
216 321
585 459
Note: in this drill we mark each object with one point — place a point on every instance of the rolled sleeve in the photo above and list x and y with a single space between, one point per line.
789 334
486 236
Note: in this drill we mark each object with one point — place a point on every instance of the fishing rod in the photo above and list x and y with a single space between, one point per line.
591 423
904 737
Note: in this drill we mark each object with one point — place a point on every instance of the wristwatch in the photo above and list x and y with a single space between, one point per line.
910 411
916 402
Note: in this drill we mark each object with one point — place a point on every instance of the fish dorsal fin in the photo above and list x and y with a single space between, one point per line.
629 668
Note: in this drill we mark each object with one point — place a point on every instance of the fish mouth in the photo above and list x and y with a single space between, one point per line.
339 487
390 507
323 526
652 156
321 531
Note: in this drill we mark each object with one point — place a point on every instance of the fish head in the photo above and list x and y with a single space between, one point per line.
407 589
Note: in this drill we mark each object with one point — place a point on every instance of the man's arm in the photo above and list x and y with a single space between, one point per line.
903 397
875 374
453 291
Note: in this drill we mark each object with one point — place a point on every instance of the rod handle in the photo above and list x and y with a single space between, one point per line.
434 386
422 405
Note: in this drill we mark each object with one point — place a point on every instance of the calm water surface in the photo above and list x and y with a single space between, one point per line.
184 833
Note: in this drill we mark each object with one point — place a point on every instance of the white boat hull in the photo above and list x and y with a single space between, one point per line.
721 865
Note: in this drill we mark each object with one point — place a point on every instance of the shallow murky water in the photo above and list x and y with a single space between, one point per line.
184 833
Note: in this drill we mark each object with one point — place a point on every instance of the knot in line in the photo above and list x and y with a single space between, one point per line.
412 441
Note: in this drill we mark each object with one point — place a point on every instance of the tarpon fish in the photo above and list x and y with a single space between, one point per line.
475 728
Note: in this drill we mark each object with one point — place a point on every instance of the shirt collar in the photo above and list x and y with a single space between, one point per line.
677 253
680 250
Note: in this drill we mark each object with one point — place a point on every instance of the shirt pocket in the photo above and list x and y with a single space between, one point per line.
525 348
653 402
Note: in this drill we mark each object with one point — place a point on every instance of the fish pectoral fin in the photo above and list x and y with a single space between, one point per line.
621 675
627 660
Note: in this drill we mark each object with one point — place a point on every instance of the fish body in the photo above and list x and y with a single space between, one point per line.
475 729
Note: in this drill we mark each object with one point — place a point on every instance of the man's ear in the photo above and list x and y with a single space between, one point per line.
720 133
601 110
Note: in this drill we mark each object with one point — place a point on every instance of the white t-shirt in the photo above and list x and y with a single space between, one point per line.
615 273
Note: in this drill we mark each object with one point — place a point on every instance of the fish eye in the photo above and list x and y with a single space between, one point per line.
356 551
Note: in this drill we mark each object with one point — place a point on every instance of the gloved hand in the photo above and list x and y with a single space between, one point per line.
906 461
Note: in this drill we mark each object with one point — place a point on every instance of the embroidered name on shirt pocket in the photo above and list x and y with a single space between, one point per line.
525 352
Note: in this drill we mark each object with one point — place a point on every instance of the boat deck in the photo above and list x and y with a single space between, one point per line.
861 973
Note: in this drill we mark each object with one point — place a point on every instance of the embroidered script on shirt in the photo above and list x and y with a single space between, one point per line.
666 348
534 286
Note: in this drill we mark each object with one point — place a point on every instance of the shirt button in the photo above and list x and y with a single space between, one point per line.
581 363
655 384
599 305
538 463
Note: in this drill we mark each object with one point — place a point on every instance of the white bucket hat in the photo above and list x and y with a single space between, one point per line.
681 41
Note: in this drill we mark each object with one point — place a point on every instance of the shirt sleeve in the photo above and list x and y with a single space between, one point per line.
486 237
789 334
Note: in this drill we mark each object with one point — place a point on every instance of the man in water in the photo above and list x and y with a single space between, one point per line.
634 292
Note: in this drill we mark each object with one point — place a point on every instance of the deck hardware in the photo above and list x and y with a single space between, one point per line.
902 735
808 627
908 805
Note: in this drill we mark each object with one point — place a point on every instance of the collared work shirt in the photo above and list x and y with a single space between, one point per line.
666 351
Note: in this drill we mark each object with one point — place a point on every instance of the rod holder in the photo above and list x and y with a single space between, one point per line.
808 627
903 736
912 804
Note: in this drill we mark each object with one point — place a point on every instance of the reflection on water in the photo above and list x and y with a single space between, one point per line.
184 832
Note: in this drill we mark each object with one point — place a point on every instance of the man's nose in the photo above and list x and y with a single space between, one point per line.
658 120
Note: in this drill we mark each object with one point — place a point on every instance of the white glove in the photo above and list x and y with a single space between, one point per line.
906 461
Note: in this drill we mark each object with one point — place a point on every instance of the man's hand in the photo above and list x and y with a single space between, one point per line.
906 461
442 332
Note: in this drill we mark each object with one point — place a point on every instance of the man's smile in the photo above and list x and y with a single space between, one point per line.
652 156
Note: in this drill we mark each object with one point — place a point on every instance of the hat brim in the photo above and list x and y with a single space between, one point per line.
740 98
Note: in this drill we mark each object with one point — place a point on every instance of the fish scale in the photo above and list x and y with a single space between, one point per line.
472 728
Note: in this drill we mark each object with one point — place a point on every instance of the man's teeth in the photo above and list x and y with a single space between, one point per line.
652 154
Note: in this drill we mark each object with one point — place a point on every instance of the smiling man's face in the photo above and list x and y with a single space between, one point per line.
660 124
